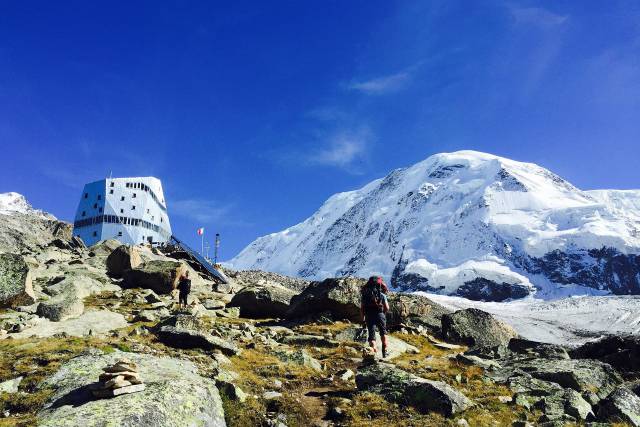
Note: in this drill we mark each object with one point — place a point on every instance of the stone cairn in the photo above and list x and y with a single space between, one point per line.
117 379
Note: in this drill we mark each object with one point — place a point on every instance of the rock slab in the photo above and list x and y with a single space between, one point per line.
15 281
622 405
123 258
160 276
401 387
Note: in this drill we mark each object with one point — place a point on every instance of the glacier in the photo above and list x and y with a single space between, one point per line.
468 224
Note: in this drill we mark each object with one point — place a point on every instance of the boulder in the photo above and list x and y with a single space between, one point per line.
65 305
529 391
185 331
123 258
213 304
174 395
340 297
104 247
407 309
621 405
298 357
223 288
263 302
621 352
476 328
401 387
575 406
583 376
160 276
15 281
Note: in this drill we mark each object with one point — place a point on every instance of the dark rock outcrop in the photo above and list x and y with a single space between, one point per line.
15 281
621 352
160 276
605 268
263 302
481 289
476 328
401 387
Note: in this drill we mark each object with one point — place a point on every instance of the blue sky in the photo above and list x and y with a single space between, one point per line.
253 113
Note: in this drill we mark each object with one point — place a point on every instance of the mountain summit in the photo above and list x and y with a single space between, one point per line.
468 224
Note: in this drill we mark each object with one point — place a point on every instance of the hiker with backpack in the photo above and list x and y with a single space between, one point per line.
184 288
373 307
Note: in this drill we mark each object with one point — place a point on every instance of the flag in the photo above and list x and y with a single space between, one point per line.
200 231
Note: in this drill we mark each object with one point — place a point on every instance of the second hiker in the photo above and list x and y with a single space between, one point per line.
184 288
373 307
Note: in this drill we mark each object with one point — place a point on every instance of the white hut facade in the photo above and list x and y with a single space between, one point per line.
131 210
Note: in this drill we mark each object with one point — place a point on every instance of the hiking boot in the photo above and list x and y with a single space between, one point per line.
384 353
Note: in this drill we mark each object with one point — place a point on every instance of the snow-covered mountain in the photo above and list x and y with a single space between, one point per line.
11 203
468 224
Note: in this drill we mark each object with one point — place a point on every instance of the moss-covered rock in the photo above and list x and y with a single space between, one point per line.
401 387
175 395
477 328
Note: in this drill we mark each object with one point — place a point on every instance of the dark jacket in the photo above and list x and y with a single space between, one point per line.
184 286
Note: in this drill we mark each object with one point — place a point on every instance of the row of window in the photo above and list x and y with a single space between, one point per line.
124 220
144 187
144 238
133 208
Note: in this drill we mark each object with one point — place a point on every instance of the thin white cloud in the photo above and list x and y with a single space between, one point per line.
547 30
537 16
344 148
383 85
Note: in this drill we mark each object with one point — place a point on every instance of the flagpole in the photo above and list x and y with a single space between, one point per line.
202 243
